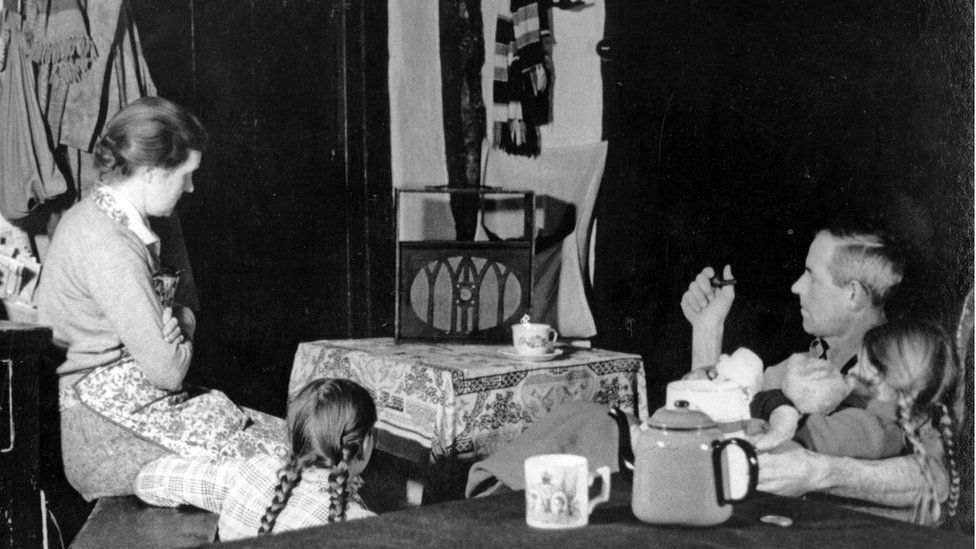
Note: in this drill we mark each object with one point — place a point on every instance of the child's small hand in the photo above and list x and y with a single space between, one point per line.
768 441
705 372
783 423
171 327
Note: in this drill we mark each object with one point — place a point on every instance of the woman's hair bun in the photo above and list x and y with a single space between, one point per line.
149 132
107 157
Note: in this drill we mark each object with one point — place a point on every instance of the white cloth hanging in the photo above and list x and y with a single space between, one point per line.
566 181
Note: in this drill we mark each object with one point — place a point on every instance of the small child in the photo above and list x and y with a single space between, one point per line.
911 363
809 386
905 377
330 422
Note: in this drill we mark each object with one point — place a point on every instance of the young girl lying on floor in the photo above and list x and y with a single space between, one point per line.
330 422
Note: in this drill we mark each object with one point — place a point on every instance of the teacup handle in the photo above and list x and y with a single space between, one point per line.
604 474
553 335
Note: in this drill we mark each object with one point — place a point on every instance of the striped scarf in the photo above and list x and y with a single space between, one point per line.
523 75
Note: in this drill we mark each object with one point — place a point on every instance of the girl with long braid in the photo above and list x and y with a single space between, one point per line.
330 422
910 363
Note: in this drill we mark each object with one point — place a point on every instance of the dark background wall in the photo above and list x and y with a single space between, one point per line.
289 228
735 127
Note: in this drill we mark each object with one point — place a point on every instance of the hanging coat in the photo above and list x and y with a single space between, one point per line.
28 173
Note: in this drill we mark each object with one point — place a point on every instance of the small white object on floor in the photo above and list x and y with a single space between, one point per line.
415 492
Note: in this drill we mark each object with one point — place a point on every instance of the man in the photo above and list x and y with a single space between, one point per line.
849 273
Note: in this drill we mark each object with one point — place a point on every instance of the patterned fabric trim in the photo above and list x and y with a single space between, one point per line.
103 198
67 398
190 423
124 213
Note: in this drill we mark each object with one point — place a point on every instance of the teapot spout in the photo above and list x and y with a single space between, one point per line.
625 451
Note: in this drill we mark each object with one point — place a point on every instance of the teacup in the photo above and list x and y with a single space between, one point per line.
534 339
557 491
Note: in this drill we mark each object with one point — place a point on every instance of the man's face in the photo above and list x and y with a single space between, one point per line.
169 185
822 303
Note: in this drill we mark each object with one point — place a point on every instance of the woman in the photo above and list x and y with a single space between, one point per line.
104 293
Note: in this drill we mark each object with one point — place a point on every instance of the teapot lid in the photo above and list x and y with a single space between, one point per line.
680 418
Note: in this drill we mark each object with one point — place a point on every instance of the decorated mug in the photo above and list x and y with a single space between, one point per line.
534 339
557 491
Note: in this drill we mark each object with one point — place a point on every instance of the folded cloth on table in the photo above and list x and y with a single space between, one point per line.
574 427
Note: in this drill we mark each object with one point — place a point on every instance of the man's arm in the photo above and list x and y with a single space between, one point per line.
706 344
895 482
705 308
852 432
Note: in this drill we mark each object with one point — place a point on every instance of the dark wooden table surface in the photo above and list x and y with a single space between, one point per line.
499 521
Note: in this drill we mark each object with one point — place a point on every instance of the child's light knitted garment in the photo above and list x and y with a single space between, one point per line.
814 386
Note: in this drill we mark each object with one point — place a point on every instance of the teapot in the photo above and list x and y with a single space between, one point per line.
680 469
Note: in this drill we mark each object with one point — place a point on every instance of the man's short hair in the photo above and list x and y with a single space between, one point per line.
867 253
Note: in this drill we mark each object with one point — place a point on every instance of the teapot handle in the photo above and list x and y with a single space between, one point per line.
625 452
718 448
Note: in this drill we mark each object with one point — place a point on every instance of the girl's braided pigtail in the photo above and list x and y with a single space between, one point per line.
927 508
947 427
339 487
289 477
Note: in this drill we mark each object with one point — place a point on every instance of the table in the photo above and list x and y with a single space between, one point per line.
499 521
463 401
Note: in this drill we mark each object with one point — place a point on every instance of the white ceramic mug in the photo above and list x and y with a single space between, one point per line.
534 339
557 491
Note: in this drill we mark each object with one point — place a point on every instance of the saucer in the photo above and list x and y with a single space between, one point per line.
531 358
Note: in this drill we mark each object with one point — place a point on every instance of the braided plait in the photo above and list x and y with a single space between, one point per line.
330 421
927 508
338 484
947 428
288 477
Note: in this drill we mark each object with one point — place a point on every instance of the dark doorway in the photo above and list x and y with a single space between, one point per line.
289 230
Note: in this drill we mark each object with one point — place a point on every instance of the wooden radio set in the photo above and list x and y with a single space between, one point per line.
453 290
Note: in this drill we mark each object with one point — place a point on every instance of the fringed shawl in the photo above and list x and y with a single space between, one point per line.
61 39
28 172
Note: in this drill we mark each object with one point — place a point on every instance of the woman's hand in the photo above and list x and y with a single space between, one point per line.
171 327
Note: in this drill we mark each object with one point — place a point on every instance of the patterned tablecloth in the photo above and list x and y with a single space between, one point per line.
466 400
